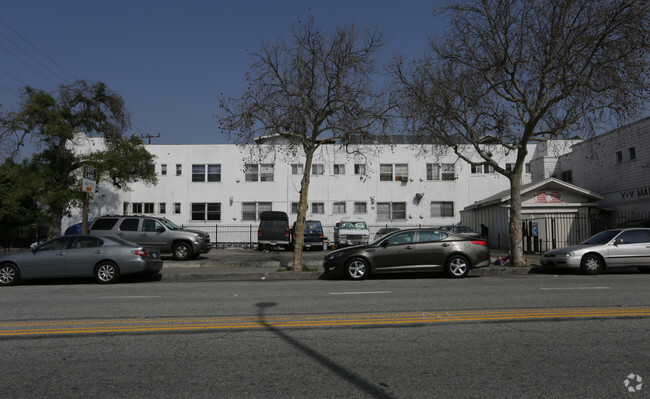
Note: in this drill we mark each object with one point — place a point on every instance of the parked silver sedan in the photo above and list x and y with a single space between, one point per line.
610 249
79 256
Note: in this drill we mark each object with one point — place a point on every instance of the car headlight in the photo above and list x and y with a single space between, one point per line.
343 237
570 254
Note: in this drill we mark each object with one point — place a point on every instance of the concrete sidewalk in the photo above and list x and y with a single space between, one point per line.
236 264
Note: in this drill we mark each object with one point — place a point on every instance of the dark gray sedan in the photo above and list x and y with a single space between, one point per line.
411 250
79 256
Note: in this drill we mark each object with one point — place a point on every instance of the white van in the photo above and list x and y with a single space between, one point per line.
351 231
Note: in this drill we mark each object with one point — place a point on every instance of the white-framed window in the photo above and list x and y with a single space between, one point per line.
433 171
391 211
360 207
206 211
294 208
401 172
266 172
339 169
177 208
338 207
317 207
442 209
251 172
179 169
297 169
448 171
253 210
482 169
162 208
317 169
199 173
510 167
386 172
163 169
148 207
360 169
125 208
136 208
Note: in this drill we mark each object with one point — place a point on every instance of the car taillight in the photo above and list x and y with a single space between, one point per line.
259 232
480 242
287 232
140 252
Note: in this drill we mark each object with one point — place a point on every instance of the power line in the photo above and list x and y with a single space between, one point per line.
37 49
28 65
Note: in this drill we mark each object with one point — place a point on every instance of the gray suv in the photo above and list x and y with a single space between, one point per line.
154 232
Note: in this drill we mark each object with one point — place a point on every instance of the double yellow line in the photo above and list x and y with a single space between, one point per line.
144 325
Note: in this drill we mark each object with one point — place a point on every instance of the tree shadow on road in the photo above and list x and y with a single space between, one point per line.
328 363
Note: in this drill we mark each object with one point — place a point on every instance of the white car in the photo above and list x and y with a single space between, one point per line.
610 249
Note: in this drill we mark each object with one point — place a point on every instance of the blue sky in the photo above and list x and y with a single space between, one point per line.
171 60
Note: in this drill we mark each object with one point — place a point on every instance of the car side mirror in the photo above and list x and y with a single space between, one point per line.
618 241
384 243
160 229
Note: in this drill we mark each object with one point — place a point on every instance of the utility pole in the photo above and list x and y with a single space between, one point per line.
149 137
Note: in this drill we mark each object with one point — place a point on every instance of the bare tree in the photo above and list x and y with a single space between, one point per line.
313 89
526 71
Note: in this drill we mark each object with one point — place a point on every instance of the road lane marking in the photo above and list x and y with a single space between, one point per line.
360 293
212 324
577 288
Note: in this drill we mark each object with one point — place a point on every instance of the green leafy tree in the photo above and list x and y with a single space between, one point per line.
526 71
19 209
313 89
53 123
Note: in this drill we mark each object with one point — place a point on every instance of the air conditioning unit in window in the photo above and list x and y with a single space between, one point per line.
402 178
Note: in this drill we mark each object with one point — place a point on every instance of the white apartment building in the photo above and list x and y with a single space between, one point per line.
388 184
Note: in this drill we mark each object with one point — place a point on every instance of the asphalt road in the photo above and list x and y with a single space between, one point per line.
507 336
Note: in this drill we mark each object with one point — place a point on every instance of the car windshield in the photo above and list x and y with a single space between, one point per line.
312 227
169 224
353 226
602 237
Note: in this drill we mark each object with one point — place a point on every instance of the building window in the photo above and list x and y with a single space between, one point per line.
619 156
339 207
567 176
198 173
448 171
442 209
317 169
297 169
179 169
136 208
162 208
385 172
251 172
433 171
482 169
253 210
401 172
214 173
317 207
527 167
177 208
339 169
163 169
360 207
294 208
360 169
632 153
125 208
209 211
148 207
510 167
387 211
266 172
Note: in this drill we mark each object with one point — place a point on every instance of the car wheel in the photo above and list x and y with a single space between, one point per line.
8 274
457 266
182 251
107 273
591 264
357 269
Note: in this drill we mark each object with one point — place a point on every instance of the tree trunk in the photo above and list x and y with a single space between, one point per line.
516 237
302 212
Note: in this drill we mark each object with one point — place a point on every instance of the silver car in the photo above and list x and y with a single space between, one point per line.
618 248
79 256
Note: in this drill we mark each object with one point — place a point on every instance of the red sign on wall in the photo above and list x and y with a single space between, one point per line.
548 197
